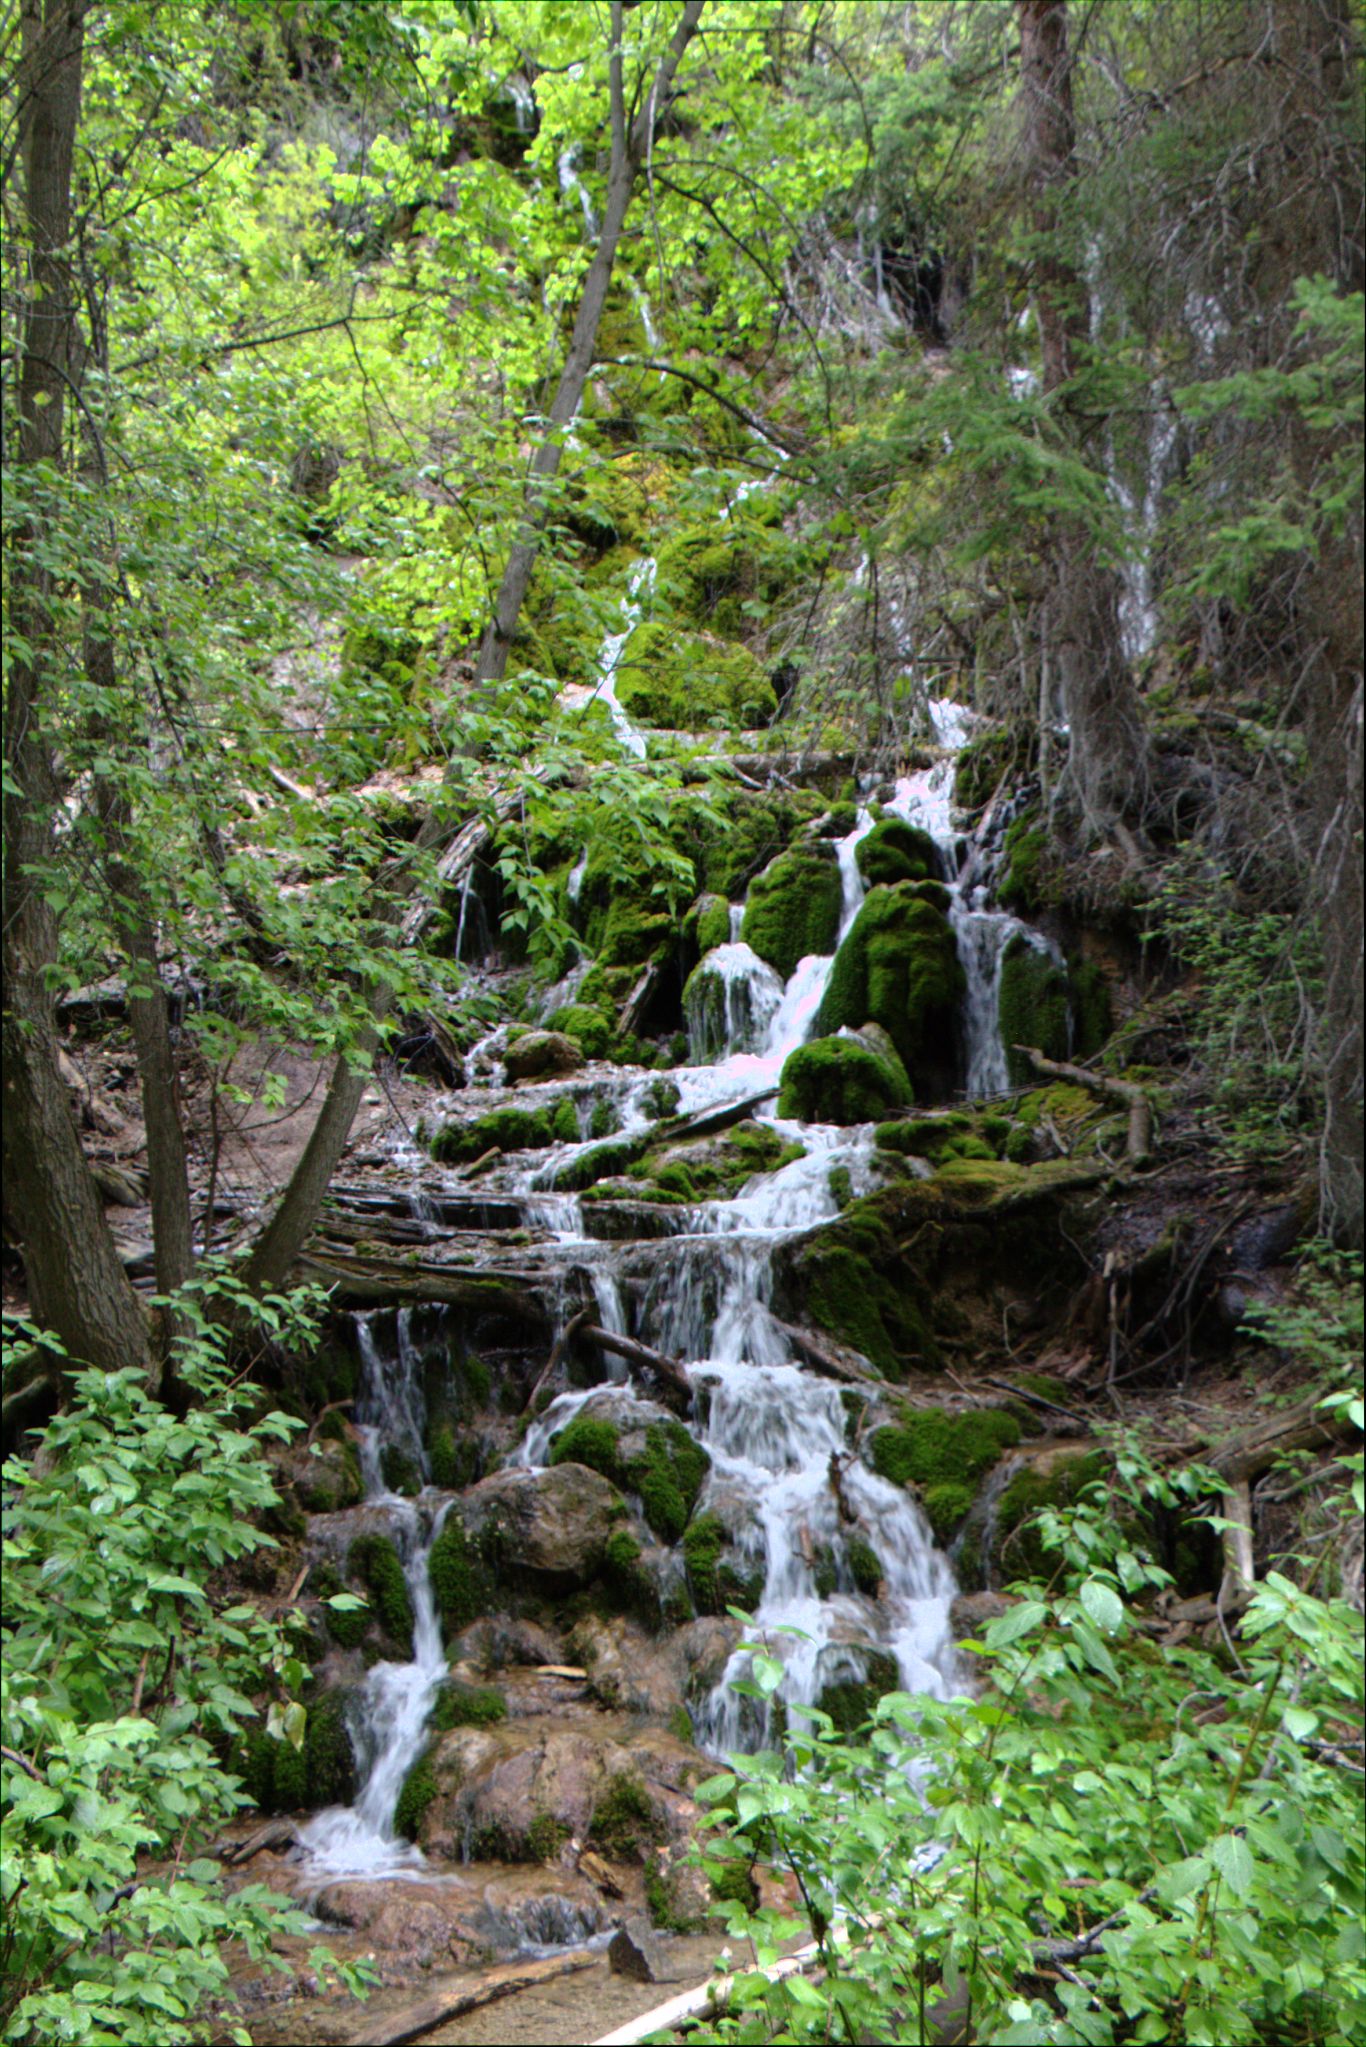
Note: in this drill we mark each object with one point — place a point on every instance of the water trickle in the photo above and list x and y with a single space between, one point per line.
639 584
567 168
751 994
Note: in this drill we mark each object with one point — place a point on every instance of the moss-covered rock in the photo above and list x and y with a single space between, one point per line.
946 1507
843 1292
931 1447
690 681
1033 1004
400 1471
462 1705
666 1470
1019 885
455 1455
374 1561
329 1478
500 1130
331 1757
460 1583
899 968
896 851
321 1771
1092 1011
849 1701
709 922
716 1578
624 1822
793 907
418 1790
1017 1549
710 573
841 1080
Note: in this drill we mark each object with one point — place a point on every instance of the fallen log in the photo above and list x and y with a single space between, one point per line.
705 2001
469 1995
668 1369
557 1351
356 1283
274 1834
825 1357
1038 1400
1127 1093
1253 1450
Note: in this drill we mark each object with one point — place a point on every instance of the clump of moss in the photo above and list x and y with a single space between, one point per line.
946 1506
690 681
716 1585
1024 853
850 1701
332 1480
896 851
462 1705
545 1837
932 1447
1092 1014
459 1583
624 1821
680 1724
455 1457
604 1120
374 1560
417 1792
844 1293
984 763
841 1186
793 907
841 1080
591 1029
709 922
1033 1005
899 967
500 1130
399 1471
331 1758
667 1473
865 1565
950 1136
564 1122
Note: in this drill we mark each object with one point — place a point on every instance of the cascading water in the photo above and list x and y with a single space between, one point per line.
640 582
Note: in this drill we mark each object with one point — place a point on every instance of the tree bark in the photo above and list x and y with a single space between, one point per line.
77 1285
1107 763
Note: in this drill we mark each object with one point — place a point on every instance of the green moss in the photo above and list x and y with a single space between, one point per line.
711 922
459 1584
290 1788
417 1792
840 1185
1016 1549
591 1029
623 1821
545 1837
845 1294
841 1080
500 1130
632 935
689 681
462 1705
454 1456
374 1560
865 1565
589 1442
1023 857
716 1585
850 1701
564 1122
793 907
1033 1005
923 1137
899 968
604 1120
331 1758
660 1099
932 1447
946 1506
332 1480
680 1724
753 828
669 1478
349 1626
896 851
399 1471
984 763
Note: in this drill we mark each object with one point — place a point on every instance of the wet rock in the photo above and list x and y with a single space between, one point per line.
899 967
501 1644
535 1908
330 1536
628 1670
793 907
551 1525
424 1923
972 1610
541 1055
637 1951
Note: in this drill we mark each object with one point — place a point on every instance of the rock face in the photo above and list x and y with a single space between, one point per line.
793 907
899 967
896 851
1033 1005
842 1079
539 1055
553 1525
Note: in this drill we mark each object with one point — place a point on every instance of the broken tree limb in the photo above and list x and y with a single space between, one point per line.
557 1351
1139 1141
827 1357
706 2000
1038 1400
668 1369
468 1995
628 1020
1252 1450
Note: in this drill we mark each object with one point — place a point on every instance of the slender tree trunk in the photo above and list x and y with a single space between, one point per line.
77 1284
1107 762
291 1225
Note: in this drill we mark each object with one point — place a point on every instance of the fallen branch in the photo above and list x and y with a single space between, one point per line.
332 1408
469 1996
1254 1450
823 1356
1138 1143
665 1368
1037 1400
558 1349
274 1834
705 2001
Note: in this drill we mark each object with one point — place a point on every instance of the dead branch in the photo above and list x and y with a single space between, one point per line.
675 1378
1135 1099
468 1994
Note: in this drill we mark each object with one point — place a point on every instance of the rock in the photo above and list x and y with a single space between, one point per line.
636 1951
678 1893
842 1079
1033 1004
896 851
793 908
500 1643
540 1054
972 1610
899 967
551 1525
426 1925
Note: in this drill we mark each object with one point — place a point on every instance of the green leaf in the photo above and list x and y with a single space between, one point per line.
1021 1620
1103 1604
1232 1858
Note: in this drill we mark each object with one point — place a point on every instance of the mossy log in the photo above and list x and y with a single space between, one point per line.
675 1386
381 1282
1135 1099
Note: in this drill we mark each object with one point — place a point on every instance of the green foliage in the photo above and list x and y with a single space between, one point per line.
793 907
416 1793
690 681
624 1820
1224 1864
112 1743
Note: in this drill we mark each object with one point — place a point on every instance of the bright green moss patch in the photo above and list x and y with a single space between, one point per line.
374 1560
711 922
591 1029
462 1705
793 907
946 1507
500 1130
896 851
1033 1005
459 1584
690 681
899 967
713 1580
864 1564
1026 847
932 1447
454 1457
667 1473
1017 1549
624 1821
417 1793
841 1080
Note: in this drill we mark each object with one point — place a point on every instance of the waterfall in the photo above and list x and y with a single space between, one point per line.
387 1717
567 168
639 584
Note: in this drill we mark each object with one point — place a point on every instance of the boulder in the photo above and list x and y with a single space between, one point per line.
899 967
896 851
551 1525
635 1950
1033 1004
842 1079
793 908
539 1055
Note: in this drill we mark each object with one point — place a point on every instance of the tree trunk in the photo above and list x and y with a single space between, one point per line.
77 1284
1107 764
288 1230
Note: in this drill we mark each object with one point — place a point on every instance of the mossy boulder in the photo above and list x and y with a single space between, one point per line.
539 1055
1024 857
1033 1004
708 922
1017 1549
327 1477
735 836
374 1562
843 1080
463 1705
282 1778
845 1288
591 1029
931 1447
690 681
501 1130
717 1575
546 1530
461 1585
950 1135
662 1464
710 573
896 851
899 968
728 999
793 907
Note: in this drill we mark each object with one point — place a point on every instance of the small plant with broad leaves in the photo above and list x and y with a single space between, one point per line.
122 1678
1108 1837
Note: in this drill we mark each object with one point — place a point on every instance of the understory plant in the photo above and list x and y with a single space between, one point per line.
125 1677
1118 1838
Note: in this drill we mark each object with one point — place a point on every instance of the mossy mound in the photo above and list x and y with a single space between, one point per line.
690 681
666 1470
374 1562
1033 1005
592 1030
896 851
932 1448
330 1479
418 1790
715 1578
501 1130
624 1822
462 1705
733 839
793 907
946 1507
710 1168
899 968
849 1701
1019 885
1092 1012
1017 1549
841 1080
843 1292
944 1137
708 922
460 1582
